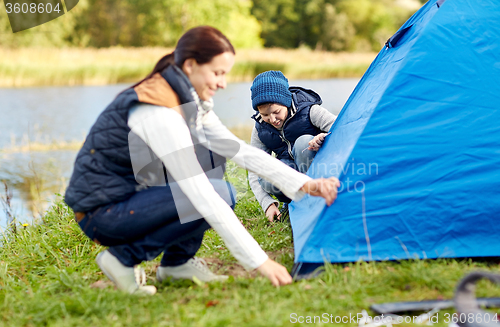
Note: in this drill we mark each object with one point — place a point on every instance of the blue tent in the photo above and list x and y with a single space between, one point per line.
416 148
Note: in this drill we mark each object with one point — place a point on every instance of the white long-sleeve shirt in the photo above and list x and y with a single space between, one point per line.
166 132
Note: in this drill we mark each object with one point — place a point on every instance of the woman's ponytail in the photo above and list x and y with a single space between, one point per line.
161 65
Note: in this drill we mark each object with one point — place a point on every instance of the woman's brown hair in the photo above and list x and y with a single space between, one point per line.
201 43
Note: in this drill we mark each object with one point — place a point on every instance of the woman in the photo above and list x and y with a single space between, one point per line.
165 123
289 122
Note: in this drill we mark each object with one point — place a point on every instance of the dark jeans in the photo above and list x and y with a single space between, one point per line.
146 224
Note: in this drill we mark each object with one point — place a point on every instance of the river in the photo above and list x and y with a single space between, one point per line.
42 115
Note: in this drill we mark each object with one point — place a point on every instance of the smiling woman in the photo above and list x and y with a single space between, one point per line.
207 78
165 123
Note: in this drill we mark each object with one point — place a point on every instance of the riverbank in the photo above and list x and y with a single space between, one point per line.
35 170
26 146
48 277
73 66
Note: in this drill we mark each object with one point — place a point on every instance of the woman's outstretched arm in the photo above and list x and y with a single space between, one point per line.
291 182
166 133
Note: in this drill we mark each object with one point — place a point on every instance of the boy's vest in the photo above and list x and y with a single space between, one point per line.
103 171
298 123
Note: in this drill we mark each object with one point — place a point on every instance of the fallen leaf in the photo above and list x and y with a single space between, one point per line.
271 233
307 287
211 303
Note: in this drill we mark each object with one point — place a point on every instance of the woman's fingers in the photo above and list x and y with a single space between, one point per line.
283 276
332 185
276 273
279 278
327 192
274 280
324 187
331 196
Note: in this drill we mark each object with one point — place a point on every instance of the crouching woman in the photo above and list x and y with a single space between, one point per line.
121 198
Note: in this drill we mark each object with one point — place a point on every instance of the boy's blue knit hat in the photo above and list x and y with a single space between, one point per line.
270 87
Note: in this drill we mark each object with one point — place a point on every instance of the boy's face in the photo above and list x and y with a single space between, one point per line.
273 114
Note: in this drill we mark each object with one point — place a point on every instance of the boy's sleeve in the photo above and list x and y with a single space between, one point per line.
265 200
322 118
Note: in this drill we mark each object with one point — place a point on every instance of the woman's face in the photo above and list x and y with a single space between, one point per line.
207 78
274 114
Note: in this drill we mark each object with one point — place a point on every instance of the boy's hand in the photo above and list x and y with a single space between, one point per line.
324 187
276 273
271 212
317 141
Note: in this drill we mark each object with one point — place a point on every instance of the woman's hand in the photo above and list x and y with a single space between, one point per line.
317 141
271 212
276 273
324 187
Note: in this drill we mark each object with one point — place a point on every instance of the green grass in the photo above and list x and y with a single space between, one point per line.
47 271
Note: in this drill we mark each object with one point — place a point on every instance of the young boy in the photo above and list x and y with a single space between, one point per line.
289 122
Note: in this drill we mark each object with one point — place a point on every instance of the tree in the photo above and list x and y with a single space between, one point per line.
104 23
58 32
279 21
338 31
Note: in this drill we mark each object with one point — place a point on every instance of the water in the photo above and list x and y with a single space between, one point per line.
46 114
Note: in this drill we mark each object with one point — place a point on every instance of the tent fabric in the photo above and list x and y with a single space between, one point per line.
416 147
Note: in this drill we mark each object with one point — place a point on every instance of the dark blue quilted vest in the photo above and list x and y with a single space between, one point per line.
297 124
103 170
